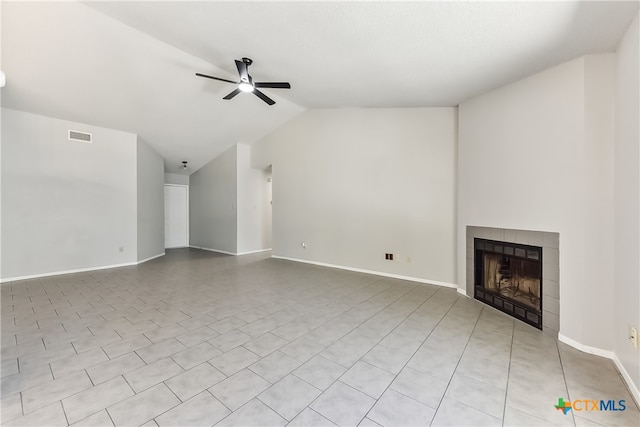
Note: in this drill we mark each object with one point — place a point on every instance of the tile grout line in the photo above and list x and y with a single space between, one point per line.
456 368
338 379
504 406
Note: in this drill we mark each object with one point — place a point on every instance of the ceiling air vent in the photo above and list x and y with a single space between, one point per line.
74 135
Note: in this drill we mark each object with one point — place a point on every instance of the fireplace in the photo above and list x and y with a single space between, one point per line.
508 276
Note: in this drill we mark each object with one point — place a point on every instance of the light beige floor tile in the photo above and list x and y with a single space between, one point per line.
201 410
51 416
238 389
254 413
58 389
152 374
265 344
234 360
161 334
11 407
477 394
198 336
320 372
143 407
421 387
30 361
454 413
343 405
99 419
99 340
29 378
77 362
309 417
289 396
275 366
368 379
114 368
85 403
368 422
194 381
158 351
196 355
230 340
395 409
125 346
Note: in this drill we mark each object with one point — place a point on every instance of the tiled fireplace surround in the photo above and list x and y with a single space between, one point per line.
549 242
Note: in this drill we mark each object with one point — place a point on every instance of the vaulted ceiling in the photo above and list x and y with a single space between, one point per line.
131 65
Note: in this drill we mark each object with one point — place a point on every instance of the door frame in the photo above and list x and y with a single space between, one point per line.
187 188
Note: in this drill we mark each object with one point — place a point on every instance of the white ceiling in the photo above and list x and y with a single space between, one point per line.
131 65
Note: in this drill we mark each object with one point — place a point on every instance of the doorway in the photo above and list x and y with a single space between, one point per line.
176 216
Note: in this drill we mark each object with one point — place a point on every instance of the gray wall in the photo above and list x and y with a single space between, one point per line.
353 184
150 176
212 204
551 136
627 202
66 205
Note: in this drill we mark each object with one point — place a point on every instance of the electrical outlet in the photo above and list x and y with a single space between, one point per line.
304 245
121 248
633 336
409 259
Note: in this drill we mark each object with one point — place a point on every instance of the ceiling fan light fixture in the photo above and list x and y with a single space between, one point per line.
245 87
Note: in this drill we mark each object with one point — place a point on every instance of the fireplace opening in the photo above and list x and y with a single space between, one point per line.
508 276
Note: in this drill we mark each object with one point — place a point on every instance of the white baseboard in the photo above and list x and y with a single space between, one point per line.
213 250
254 252
376 273
231 253
77 270
462 292
609 355
151 257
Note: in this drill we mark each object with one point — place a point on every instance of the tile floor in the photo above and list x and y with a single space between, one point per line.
196 338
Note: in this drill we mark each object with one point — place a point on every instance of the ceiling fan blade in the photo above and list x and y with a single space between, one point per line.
274 85
242 70
232 94
216 78
264 97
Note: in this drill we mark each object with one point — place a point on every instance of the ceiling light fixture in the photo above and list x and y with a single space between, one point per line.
245 87
184 164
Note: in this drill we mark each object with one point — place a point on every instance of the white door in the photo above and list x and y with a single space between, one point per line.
176 216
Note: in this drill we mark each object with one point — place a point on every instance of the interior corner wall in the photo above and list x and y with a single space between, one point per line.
66 205
150 200
528 160
627 202
354 184
251 197
212 204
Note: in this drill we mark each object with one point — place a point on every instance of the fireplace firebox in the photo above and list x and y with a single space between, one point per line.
508 276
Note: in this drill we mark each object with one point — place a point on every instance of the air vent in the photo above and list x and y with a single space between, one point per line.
74 135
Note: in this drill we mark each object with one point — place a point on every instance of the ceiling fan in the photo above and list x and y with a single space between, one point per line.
246 83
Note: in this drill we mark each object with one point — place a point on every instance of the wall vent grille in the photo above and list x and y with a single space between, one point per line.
75 135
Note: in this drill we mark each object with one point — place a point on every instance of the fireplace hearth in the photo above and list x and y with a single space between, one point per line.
508 276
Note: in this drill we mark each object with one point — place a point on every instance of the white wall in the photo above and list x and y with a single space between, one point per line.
65 204
251 188
176 178
212 204
150 196
356 183
536 155
627 201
